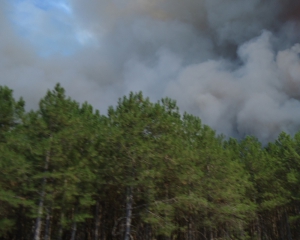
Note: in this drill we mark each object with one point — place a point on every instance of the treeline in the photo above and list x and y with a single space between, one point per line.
141 171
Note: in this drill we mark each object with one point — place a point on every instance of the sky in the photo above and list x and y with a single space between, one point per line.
233 63
47 25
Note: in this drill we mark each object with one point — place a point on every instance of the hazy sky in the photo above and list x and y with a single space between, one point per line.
234 63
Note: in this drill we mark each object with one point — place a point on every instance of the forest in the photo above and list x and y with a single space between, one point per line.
141 171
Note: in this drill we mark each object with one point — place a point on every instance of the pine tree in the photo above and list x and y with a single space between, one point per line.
13 167
10 111
57 132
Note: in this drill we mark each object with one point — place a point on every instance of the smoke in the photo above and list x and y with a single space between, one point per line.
234 63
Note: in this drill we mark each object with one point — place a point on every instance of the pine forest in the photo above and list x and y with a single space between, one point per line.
140 171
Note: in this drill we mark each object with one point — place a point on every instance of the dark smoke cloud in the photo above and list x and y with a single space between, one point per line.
234 63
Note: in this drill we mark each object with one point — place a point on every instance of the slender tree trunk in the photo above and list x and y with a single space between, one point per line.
211 234
20 233
148 232
103 222
60 230
48 223
74 225
288 229
129 199
258 224
97 221
38 223
74 229
190 235
281 224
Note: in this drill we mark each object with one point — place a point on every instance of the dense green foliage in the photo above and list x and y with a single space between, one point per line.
142 171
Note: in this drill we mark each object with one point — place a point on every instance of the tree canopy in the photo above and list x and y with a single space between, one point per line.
141 171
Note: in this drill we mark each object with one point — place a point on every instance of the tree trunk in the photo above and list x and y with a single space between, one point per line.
74 225
74 229
211 234
60 230
258 227
190 237
148 232
48 223
103 222
129 199
38 223
288 229
20 233
97 221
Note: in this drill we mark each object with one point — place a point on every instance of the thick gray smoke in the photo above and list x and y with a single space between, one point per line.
234 63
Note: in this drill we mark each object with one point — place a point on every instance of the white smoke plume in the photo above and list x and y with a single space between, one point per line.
234 63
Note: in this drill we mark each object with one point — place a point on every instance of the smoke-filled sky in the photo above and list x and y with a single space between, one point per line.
234 63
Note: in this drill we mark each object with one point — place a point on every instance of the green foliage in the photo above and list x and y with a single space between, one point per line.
185 182
10 110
